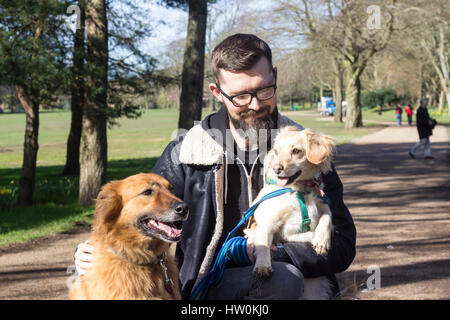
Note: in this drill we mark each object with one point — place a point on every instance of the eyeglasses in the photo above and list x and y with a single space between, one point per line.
244 99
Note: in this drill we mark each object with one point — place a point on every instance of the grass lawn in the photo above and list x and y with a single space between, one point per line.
133 146
389 116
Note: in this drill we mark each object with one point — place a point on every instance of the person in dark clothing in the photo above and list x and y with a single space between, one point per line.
216 167
425 126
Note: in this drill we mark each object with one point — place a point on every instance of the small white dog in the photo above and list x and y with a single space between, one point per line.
296 161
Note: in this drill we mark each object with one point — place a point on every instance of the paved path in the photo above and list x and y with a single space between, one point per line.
401 209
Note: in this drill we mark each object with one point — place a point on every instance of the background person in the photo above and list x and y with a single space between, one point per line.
425 127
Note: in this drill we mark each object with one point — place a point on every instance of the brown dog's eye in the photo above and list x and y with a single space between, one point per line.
147 192
296 151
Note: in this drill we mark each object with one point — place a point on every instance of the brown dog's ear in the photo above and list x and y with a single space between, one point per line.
107 208
318 147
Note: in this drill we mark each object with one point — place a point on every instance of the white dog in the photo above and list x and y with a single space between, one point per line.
296 161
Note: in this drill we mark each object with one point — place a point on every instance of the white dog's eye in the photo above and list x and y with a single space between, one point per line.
296 151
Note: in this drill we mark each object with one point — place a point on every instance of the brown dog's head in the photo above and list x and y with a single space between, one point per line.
298 155
138 217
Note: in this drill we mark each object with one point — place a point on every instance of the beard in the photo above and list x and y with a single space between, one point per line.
255 131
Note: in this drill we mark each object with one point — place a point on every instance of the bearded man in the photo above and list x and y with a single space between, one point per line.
217 169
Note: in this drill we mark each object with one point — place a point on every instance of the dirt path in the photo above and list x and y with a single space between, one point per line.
401 209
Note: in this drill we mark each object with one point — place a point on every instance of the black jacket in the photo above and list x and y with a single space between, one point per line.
423 123
194 164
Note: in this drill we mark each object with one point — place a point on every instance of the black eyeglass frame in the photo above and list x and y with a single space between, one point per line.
252 94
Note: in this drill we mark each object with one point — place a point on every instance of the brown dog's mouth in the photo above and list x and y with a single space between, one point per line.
166 230
283 181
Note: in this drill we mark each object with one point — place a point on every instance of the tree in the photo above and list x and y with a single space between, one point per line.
72 166
32 59
191 98
94 140
343 28
436 42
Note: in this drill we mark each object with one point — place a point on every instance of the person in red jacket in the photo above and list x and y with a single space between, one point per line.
398 115
409 113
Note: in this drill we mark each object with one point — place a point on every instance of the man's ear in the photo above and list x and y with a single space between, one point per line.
215 91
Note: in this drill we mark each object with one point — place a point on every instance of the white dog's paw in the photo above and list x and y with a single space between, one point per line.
322 245
262 270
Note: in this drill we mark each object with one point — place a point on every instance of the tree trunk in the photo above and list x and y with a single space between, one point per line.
193 65
441 101
338 91
353 98
30 149
30 103
72 166
448 100
94 139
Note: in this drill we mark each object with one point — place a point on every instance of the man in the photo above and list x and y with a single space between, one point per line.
216 167
425 127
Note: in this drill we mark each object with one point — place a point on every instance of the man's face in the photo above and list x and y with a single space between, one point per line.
257 113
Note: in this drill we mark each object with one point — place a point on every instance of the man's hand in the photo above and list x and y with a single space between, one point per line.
83 257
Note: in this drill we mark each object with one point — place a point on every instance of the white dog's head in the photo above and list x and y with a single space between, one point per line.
298 155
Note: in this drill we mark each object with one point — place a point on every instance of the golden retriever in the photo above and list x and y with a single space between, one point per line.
297 160
135 222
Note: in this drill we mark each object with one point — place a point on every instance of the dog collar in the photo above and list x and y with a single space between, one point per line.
314 184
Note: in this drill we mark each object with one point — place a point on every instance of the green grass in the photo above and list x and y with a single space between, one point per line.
389 116
142 137
133 146
311 119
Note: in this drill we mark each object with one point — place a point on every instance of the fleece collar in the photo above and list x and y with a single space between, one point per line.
204 144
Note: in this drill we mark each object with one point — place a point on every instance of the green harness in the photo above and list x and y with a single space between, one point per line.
306 221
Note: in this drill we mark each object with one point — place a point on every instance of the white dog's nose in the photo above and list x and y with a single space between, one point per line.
278 168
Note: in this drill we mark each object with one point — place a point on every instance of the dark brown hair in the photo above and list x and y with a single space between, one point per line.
239 52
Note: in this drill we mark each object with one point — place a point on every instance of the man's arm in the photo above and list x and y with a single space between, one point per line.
343 239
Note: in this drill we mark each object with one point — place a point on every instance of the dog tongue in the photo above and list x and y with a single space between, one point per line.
169 229
282 181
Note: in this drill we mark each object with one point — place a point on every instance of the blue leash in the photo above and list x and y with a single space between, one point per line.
234 249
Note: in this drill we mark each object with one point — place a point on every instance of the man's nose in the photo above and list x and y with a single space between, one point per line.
255 104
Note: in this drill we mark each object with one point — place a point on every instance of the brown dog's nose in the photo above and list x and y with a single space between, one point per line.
181 209
278 168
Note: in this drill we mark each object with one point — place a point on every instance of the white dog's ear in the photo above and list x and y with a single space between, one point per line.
319 147
289 128
267 162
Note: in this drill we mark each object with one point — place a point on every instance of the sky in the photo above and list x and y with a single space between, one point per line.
175 23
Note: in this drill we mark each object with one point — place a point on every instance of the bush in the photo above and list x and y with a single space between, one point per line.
381 97
63 190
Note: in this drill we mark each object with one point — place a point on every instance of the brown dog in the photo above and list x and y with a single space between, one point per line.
133 228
